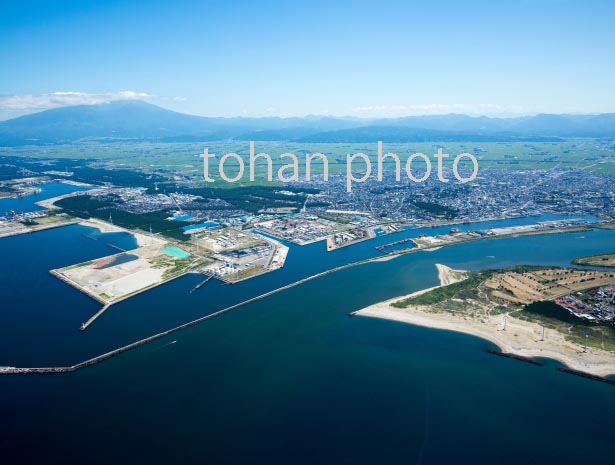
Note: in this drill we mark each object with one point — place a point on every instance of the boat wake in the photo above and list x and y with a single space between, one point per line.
163 346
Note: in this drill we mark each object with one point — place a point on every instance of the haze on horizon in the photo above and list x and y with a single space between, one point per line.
356 59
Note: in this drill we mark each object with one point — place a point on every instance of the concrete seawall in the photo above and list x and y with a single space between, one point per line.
100 358
34 229
105 356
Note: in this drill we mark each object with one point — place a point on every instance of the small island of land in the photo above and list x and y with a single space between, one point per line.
606 260
530 311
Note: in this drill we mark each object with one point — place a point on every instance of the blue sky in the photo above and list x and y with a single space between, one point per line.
224 58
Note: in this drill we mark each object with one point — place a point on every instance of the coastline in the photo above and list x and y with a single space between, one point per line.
105 227
520 337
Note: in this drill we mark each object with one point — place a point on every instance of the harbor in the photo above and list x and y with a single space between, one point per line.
392 244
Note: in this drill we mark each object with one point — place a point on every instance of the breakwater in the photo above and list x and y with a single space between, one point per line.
582 374
10 370
391 244
113 353
515 357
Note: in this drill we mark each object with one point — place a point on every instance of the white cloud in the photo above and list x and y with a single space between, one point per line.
395 111
37 102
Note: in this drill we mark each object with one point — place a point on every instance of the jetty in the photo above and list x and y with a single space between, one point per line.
202 283
85 325
392 254
391 244
582 374
105 356
515 357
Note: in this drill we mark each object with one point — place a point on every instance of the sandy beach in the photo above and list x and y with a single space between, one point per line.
520 337
103 226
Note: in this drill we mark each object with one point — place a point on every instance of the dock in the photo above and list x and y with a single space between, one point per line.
16 370
100 358
202 283
391 244
85 325
107 305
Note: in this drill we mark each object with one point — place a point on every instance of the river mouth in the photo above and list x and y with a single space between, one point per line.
57 317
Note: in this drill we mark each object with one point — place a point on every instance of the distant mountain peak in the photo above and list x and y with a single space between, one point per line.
140 120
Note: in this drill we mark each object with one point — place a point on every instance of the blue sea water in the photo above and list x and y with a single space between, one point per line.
287 379
28 203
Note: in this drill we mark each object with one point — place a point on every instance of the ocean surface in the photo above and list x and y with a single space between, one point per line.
28 203
289 379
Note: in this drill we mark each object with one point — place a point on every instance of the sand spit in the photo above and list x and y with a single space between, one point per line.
520 337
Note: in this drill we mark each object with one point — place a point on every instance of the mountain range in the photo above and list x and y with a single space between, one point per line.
137 120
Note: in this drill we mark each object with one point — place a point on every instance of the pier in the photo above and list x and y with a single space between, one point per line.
393 254
389 254
105 356
391 244
201 284
107 305
85 325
